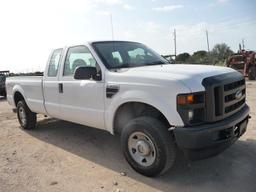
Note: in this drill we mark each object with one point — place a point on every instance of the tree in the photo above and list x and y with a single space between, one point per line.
200 57
183 57
220 53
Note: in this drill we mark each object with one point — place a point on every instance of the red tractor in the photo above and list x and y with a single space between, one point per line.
244 62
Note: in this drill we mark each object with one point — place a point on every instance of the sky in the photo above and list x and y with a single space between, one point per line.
30 29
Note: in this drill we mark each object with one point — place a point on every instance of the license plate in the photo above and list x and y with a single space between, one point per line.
242 128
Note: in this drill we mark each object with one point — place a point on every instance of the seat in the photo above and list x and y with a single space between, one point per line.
78 63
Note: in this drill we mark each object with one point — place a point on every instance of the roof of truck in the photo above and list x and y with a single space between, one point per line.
99 41
89 42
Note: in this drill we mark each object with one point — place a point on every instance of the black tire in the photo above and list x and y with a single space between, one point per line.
5 94
252 73
29 116
162 140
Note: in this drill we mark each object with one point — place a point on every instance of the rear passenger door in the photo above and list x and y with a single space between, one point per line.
50 84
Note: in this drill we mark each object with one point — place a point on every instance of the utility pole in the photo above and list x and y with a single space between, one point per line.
174 38
207 39
243 43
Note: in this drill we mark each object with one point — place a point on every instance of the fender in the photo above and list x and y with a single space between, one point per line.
18 88
162 104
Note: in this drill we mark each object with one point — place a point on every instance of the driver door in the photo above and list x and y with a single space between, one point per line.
81 101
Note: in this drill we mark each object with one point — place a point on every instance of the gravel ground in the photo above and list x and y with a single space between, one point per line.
62 156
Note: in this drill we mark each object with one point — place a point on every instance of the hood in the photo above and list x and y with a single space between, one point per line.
189 75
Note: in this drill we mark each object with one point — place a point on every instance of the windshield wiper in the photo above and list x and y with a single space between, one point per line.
156 63
126 65
129 65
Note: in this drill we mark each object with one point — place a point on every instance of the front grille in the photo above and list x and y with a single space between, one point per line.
234 106
234 96
234 85
218 100
225 95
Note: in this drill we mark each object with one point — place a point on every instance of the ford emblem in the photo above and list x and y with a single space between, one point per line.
238 94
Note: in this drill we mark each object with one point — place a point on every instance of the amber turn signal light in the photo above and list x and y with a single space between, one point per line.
185 99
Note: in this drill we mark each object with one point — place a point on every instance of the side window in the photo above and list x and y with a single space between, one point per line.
54 63
78 56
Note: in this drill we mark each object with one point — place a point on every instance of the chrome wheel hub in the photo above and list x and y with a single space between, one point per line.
141 149
22 115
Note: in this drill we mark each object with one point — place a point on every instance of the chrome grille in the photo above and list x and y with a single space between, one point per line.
225 95
234 96
234 85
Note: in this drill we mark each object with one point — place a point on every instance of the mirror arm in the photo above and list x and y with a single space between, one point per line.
97 77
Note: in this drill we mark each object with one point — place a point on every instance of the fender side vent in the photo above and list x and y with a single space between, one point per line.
111 90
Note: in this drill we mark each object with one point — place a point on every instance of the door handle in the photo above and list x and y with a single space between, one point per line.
60 87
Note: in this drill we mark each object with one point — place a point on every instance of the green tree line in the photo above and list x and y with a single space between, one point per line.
217 56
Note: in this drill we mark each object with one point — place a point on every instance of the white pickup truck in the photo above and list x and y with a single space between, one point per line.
126 88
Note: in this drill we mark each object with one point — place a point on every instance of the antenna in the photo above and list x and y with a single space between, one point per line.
111 24
174 38
207 39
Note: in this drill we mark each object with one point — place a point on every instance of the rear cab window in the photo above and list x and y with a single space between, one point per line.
54 63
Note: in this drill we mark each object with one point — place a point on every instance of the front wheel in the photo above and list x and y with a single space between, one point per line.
26 117
148 146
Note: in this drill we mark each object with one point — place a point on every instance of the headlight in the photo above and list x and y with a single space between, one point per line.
191 107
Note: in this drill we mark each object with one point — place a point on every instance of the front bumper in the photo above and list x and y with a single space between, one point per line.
202 141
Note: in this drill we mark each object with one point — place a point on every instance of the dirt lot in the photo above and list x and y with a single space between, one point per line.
62 156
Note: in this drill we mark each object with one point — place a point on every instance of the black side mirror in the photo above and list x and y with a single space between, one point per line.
86 73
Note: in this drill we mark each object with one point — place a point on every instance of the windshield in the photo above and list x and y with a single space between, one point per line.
119 54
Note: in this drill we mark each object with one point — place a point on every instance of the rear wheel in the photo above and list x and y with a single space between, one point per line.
148 146
26 117
252 73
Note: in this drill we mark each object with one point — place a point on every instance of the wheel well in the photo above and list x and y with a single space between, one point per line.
132 110
18 97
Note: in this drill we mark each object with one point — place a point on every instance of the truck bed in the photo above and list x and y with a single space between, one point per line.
31 88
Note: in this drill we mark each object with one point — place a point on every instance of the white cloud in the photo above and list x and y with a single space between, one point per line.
222 1
167 8
103 13
128 7
112 2
115 2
